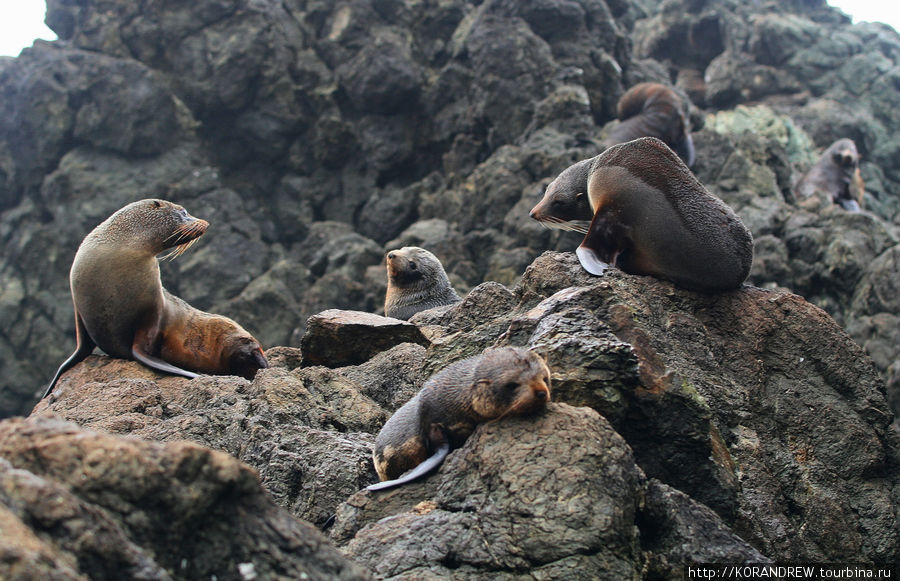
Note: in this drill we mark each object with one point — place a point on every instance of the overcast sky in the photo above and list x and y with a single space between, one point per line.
22 21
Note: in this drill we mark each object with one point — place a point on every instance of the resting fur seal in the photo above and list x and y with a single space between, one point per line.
508 381
653 110
121 306
649 215
416 282
836 175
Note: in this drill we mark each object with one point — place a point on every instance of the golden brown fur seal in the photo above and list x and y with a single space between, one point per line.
836 176
507 381
416 282
649 215
653 110
121 306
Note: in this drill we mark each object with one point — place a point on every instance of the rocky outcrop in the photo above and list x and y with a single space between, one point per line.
84 505
779 415
316 137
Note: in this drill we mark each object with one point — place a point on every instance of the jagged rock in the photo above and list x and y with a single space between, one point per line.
337 338
81 504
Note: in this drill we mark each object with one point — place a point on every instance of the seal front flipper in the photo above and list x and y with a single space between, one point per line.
590 261
84 345
601 246
419 471
154 362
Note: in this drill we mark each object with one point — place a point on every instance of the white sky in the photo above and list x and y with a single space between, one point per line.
22 21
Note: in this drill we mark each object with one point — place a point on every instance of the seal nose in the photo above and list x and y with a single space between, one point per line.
390 256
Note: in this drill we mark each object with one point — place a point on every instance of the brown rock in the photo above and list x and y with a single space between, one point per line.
89 505
335 338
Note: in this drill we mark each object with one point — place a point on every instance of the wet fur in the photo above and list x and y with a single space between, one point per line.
501 382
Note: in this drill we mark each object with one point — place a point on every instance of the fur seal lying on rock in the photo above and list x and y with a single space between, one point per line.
653 110
507 381
836 175
648 214
121 306
416 282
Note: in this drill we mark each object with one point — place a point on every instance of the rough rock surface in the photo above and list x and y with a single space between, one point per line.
76 504
316 136
743 426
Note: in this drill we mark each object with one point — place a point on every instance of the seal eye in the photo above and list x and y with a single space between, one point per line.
157 203
511 386
412 266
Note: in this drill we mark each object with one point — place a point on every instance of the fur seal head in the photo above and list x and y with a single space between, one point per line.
416 282
565 203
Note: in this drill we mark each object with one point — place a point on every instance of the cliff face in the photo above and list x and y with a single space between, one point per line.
314 136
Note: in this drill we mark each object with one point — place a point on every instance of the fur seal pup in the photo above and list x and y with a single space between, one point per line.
121 306
836 175
508 381
649 215
416 282
653 110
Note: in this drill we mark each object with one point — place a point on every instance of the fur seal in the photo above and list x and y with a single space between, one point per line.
508 381
836 175
416 282
122 308
649 215
653 110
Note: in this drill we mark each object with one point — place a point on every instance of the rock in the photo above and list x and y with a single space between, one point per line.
308 431
151 510
588 505
275 121
491 507
668 370
336 338
279 124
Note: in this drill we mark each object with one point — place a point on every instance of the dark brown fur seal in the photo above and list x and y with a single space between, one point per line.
508 381
121 306
649 215
653 110
836 176
416 282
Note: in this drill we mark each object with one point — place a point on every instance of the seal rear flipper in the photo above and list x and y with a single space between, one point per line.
419 471
158 364
84 345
